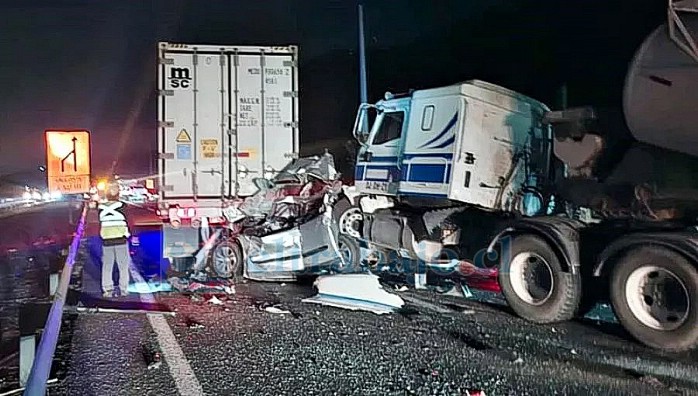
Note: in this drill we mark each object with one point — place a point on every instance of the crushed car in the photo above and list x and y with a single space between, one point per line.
283 231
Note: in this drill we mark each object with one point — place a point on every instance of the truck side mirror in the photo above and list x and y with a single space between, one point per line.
362 125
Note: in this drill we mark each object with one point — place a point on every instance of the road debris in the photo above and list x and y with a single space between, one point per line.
192 324
215 301
276 310
117 310
151 355
355 292
203 286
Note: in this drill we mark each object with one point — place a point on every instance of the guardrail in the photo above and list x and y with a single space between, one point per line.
22 203
15 203
41 367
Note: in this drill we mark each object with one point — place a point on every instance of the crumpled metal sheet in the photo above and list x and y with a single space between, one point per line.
355 292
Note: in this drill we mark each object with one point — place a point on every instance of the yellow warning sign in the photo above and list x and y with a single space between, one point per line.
209 148
68 161
183 137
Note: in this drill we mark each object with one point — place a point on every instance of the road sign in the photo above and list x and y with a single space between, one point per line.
68 161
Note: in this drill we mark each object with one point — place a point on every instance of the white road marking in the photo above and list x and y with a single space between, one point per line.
184 378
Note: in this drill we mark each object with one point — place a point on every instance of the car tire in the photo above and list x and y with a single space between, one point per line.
631 304
554 296
227 260
350 246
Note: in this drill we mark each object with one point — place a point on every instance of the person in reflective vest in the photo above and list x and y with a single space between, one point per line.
115 234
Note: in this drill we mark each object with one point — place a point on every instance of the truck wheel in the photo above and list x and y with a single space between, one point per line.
654 292
348 217
535 285
349 249
227 260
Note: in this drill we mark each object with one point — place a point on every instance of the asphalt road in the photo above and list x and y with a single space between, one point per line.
440 345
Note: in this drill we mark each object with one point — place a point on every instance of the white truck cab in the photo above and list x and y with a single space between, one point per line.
473 142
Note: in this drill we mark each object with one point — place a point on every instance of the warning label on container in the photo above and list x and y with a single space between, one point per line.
209 148
183 137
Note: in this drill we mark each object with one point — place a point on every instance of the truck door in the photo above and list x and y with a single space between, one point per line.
378 169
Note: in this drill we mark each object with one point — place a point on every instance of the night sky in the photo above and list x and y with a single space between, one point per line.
91 64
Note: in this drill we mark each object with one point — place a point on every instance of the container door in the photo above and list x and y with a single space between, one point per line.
264 137
193 105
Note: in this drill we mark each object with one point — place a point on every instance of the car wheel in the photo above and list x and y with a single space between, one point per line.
349 249
226 259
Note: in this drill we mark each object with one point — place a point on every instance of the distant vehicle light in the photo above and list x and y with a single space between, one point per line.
56 195
46 196
102 185
27 195
36 195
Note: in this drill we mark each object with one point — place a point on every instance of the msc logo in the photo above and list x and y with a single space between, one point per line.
179 77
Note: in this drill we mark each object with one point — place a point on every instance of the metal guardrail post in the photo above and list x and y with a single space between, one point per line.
27 352
41 368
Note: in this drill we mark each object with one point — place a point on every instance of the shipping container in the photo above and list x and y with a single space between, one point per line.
226 115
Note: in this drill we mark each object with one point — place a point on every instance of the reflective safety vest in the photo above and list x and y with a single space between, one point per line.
112 220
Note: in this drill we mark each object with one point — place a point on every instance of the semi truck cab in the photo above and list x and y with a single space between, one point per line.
474 143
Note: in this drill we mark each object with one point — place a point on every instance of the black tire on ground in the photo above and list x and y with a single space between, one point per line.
682 338
564 289
351 246
234 267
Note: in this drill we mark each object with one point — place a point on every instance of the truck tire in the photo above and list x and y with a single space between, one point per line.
642 283
348 218
549 294
227 259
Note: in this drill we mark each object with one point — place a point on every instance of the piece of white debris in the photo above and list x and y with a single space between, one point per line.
229 289
401 288
573 352
553 330
276 310
518 360
354 292
215 301
282 285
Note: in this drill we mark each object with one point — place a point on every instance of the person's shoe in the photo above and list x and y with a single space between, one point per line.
108 294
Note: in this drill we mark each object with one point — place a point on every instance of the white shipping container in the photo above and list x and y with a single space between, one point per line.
226 115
